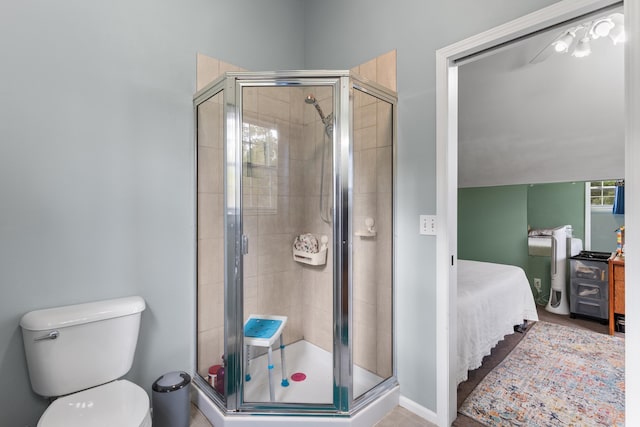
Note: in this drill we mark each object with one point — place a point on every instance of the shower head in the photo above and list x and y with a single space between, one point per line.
310 99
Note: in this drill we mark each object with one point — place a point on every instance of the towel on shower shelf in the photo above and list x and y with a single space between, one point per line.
306 243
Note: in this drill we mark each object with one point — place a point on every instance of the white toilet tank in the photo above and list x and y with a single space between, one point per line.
76 347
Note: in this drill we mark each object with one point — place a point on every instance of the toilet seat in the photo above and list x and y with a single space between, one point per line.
118 403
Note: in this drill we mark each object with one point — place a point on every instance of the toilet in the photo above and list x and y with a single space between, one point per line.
77 354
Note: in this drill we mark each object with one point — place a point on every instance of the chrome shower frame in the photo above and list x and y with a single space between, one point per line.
343 83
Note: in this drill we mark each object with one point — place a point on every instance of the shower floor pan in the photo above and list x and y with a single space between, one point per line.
317 387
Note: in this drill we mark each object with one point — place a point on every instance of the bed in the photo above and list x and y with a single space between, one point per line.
492 299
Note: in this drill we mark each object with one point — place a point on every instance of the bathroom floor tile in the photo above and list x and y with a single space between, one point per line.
197 419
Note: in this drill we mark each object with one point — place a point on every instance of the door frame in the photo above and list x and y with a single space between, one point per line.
447 187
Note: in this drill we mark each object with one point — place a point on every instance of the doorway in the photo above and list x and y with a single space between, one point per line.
447 176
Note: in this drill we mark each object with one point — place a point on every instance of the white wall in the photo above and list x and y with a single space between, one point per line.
96 161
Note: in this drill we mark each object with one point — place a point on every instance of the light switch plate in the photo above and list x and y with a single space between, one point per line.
428 225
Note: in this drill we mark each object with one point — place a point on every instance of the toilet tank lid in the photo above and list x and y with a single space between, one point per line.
61 317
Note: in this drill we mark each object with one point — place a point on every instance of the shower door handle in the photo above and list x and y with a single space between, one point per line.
245 244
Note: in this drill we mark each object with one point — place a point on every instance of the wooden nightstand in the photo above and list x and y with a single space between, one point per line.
616 289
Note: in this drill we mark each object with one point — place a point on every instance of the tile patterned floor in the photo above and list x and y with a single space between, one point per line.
401 417
197 419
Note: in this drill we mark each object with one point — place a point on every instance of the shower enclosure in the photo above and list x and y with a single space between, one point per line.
295 222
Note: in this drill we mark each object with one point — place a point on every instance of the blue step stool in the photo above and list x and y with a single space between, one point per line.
262 331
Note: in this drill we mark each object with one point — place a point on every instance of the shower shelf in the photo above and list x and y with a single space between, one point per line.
369 231
318 258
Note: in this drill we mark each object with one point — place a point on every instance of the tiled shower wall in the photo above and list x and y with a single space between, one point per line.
273 213
272 279
372 256
373 197
210 235
318 280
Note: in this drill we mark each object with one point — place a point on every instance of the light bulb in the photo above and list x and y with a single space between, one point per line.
602 28
561 46
617 33
563 43
619 37
582 48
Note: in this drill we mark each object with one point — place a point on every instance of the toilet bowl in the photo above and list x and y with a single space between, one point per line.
118 403
79 353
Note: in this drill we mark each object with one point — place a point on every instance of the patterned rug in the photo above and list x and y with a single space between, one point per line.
555 376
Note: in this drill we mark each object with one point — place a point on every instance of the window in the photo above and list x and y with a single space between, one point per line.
259 147
602 193
260 167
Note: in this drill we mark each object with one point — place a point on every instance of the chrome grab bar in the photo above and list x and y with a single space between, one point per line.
50 336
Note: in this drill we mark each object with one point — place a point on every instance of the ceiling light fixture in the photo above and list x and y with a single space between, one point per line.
611 26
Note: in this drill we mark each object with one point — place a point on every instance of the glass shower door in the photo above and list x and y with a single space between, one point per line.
286 159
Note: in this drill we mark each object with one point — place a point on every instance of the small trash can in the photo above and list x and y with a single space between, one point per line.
171 400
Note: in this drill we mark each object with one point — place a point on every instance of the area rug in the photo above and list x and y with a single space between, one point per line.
555 376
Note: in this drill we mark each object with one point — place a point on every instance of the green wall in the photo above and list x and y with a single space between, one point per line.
552 205
492 224
493 221
549 206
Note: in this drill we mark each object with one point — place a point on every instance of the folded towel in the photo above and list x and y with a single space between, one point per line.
306 243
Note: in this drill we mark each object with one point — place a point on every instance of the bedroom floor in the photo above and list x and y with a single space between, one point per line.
505 346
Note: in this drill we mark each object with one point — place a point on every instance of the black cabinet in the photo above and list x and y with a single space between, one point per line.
589 295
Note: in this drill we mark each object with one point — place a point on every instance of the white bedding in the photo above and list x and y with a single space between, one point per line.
492 298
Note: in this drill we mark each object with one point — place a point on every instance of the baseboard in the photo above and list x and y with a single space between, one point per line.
419 410
368 416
